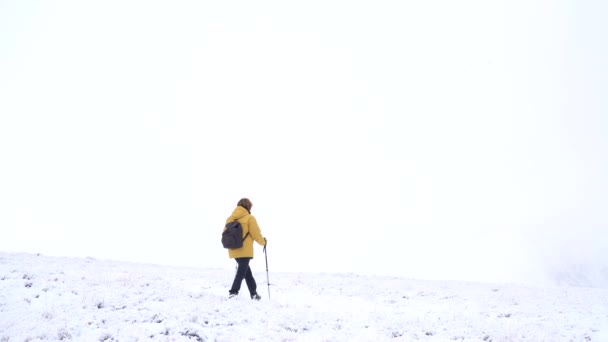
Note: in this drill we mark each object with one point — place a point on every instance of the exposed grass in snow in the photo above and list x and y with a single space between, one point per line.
69 299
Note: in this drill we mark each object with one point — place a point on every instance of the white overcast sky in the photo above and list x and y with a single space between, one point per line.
432 139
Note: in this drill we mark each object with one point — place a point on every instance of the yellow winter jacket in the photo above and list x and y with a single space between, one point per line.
250 225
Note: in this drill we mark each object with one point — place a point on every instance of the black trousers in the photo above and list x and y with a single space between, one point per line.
243 271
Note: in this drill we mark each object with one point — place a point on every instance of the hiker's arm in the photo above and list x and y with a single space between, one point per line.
255 232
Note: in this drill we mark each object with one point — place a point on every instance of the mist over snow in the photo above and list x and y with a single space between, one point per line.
46 298
438 140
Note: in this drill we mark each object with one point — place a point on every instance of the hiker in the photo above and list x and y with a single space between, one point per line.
251 231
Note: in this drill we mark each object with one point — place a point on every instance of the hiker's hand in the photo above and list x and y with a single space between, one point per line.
265 242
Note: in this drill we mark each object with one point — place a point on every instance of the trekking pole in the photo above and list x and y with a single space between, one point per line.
267 279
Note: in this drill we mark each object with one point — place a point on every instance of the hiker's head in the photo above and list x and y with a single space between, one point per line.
245 203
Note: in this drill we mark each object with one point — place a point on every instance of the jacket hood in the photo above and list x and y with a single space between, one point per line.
239 213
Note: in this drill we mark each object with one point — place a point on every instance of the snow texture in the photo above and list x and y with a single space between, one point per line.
69 299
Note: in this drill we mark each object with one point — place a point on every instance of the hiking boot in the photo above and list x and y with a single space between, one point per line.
232 295
256 296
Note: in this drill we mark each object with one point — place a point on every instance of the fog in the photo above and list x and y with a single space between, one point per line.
434 140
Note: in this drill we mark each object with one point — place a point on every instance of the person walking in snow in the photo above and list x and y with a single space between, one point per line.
251 232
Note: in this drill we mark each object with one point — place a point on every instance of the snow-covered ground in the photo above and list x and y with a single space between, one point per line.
48 298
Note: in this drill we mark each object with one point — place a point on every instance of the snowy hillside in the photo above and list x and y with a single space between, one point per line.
49 299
